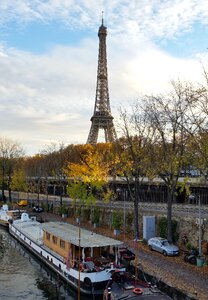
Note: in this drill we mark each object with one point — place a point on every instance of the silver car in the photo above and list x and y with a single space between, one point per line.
163 246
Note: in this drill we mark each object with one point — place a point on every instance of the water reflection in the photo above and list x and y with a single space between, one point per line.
22 276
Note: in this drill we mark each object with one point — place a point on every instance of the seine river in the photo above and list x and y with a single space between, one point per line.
23 277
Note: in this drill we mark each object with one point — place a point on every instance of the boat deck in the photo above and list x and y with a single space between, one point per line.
124 286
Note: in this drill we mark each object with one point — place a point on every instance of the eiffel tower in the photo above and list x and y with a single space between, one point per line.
102 118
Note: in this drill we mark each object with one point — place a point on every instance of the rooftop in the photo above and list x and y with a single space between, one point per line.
70 233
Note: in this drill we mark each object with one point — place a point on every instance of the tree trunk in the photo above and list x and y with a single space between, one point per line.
3 184
136 213
9 187
169 216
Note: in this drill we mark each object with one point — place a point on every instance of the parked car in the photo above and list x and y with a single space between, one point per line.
22 203
37 209
163 246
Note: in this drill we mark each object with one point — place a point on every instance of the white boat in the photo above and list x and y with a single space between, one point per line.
85 260
7 215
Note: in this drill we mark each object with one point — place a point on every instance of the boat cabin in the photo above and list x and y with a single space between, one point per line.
80 246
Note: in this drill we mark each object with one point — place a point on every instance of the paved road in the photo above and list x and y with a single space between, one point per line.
192 280
177 209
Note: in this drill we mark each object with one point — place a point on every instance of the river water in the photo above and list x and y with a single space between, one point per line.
22 276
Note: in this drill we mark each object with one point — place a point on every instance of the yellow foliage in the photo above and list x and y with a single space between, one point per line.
92 169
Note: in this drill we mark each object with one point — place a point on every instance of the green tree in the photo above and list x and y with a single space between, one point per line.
19 182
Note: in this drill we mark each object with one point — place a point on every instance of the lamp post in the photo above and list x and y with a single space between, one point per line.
61 191
200 249
38 191
124 199
79 245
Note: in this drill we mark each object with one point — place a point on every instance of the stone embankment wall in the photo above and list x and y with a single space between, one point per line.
186 216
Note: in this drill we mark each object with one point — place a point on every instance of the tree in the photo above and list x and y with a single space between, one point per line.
88 179
10 151
132 159
197 126
169 116
19 182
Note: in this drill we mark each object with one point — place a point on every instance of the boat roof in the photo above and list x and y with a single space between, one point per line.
31 229
70 233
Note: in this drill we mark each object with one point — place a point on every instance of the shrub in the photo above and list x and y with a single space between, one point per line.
96 215
86 214
117 220
163 228
63 209
189 246
78 211
129 221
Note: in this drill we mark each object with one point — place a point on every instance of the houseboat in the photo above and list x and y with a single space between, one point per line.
7 215
85 260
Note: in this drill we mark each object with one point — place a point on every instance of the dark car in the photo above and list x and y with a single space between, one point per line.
37 209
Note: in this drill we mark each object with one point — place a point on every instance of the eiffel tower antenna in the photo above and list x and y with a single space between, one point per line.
102 118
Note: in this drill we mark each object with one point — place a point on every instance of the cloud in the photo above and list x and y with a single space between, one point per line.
150 18
50 97
47 95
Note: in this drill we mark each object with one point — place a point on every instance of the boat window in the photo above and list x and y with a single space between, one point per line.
62 244
48 236
54 238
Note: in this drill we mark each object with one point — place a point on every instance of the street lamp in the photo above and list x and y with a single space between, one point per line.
200 248
124 199
61 191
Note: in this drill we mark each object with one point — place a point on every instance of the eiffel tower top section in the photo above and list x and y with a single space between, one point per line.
102 102
102 118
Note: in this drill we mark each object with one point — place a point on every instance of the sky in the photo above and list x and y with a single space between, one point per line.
49 59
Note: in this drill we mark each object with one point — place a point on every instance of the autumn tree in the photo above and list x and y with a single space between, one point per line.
10 151
132 159
19 182
169 116
89 178
197 128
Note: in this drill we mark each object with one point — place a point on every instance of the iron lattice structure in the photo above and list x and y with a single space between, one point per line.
102 118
